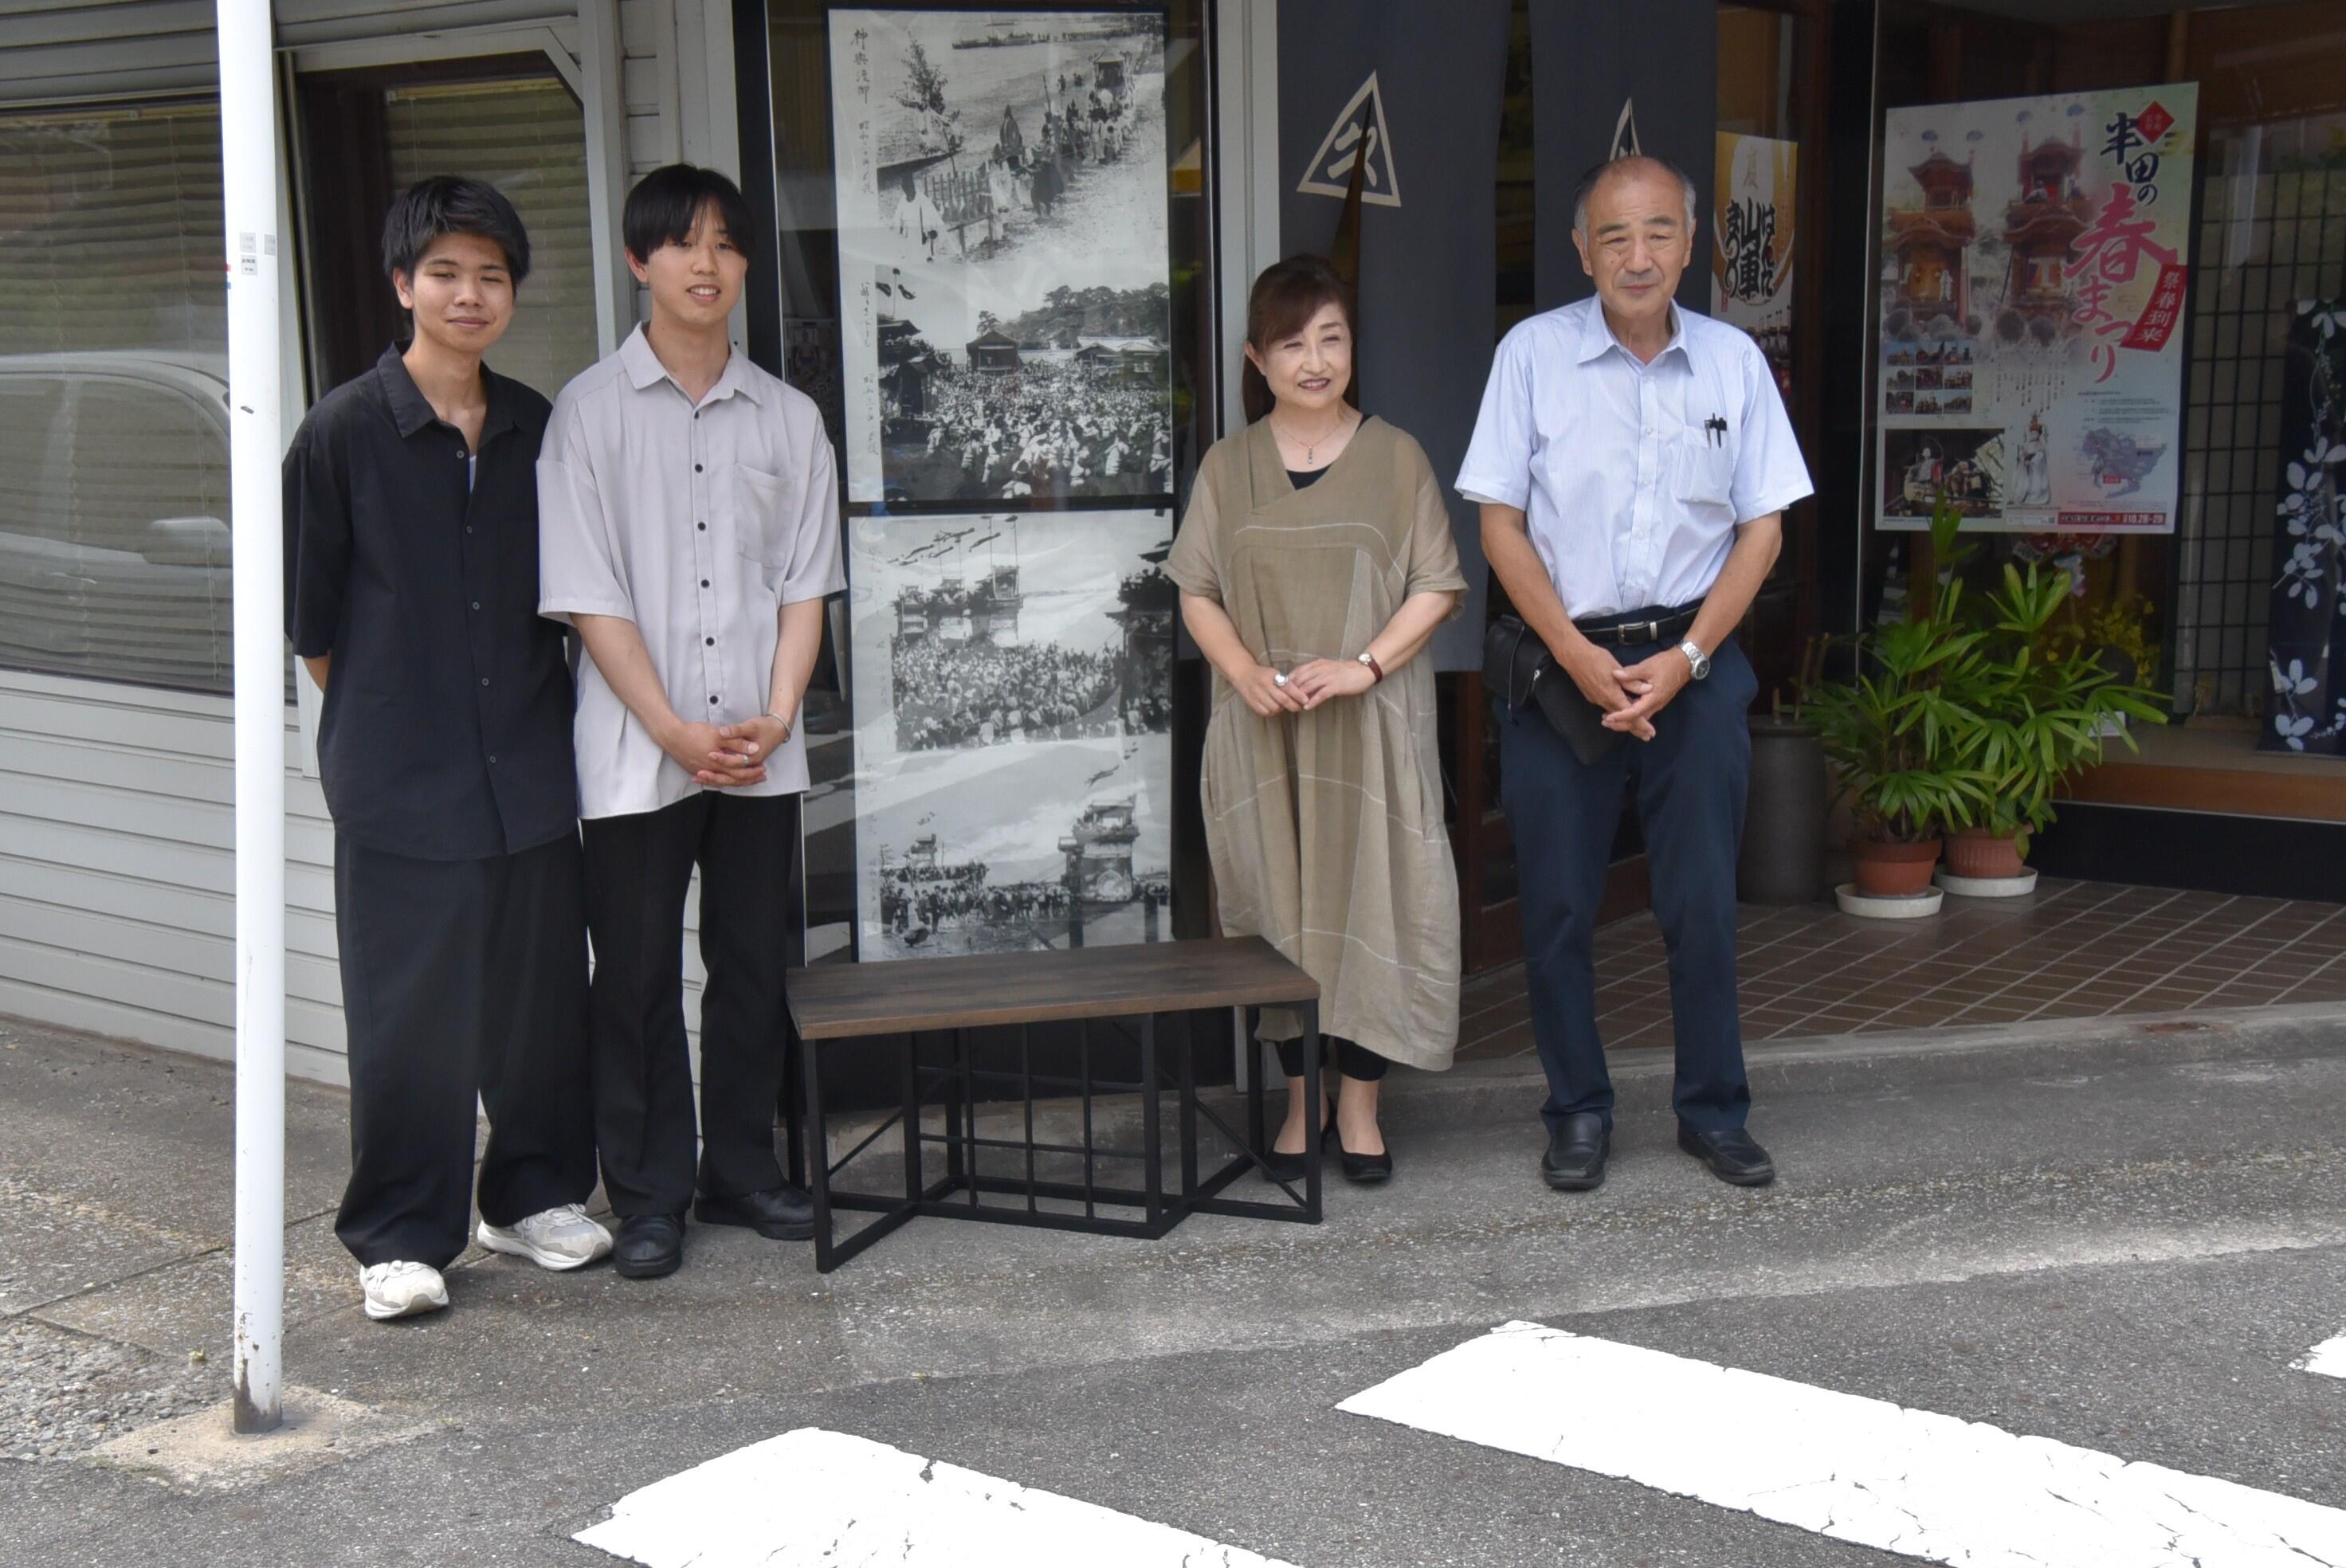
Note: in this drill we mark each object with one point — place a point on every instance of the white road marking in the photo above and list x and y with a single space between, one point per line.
1860 1470
813 1497
2328 1358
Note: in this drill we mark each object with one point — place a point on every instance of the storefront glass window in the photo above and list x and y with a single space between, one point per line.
114 510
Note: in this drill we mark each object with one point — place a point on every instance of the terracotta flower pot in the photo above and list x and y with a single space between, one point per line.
1975 852
1893 871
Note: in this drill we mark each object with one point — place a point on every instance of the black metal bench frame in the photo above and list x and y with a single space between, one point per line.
962 1190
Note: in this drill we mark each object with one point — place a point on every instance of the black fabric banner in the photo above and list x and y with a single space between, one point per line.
2307 647
1421 84
1607 78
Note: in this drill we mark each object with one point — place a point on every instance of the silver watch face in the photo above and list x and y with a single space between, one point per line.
1697 658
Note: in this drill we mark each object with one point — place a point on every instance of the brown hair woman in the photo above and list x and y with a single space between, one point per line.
1314 563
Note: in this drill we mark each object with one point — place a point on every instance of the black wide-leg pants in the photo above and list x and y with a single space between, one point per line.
638 870
461 978
1691 782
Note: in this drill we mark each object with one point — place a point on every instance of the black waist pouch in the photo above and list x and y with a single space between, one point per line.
1517 668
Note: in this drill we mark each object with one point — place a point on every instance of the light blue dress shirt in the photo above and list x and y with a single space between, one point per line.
1632 477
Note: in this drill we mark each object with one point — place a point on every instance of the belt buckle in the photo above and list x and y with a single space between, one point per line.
1652 630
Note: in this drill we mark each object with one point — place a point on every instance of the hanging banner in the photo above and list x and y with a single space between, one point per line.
1753 202
1411 93
2036 254
1005 276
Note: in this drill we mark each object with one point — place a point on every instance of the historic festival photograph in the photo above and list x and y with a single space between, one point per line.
967 136
1003 244
1001 629
1006 657
1070 397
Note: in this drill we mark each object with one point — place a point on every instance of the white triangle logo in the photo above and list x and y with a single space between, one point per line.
1331 171
1624 132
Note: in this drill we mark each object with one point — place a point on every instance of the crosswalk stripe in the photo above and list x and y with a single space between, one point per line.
1858 1470
2328 1358
813 1497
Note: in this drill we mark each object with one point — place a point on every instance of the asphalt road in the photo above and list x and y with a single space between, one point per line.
2126 1257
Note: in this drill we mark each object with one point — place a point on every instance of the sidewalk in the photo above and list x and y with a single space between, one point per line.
517 1415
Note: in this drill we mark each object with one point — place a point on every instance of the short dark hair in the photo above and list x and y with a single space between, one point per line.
451 204
667 202
1285 298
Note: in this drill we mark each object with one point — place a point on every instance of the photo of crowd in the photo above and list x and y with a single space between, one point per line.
1057 425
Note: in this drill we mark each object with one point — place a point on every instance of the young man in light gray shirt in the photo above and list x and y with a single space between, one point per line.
688 520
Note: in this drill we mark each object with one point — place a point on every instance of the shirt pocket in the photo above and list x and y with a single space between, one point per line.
761 502
1703 468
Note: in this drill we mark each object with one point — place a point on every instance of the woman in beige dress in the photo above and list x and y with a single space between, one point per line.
1314 563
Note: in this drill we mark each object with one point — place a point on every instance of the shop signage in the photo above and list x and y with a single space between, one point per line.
1005 272
1751 223
2035 266
1360 122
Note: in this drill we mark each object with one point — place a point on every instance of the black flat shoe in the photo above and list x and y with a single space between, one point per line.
785 1212
1732 1155
1280 1167
649 1246
1366 1170
1575 1161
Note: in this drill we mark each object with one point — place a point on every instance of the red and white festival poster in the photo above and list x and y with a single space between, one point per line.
2036 272
1752 206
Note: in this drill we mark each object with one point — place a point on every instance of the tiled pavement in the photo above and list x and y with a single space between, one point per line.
2070 950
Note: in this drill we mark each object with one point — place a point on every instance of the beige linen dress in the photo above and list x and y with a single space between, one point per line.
1325 828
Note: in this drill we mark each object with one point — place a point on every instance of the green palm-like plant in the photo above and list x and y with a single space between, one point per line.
2037 713
1901 732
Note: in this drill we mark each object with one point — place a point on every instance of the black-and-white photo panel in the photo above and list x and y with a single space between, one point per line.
1012 678
1001 189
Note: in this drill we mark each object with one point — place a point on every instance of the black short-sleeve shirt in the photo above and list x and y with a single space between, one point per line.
446 731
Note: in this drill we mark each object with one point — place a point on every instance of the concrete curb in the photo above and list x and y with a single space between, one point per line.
1499 1094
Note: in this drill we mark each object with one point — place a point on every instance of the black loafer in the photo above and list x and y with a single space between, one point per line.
1732 1155
649 1246
785 1212
1364 1170
1576 1151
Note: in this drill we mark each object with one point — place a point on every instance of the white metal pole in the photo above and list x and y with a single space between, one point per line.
248 170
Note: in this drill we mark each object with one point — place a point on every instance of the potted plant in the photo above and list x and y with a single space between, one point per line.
2040 701
1896 732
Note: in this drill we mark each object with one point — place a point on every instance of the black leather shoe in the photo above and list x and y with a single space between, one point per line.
1575 1161
1365 1170
1732 1155
649 1246
785 1212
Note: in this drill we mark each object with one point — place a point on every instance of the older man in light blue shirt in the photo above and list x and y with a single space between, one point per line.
1632 461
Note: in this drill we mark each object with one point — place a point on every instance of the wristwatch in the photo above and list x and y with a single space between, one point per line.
1695 657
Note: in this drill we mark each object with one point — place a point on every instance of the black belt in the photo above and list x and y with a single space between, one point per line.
1639 628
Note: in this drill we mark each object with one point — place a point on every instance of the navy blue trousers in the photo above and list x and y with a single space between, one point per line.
1691 782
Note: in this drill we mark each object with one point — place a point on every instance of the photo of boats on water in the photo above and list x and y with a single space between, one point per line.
1012 680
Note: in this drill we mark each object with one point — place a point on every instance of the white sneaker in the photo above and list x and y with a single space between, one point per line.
402 1290
557 1239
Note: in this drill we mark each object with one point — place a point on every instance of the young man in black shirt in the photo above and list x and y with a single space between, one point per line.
410 593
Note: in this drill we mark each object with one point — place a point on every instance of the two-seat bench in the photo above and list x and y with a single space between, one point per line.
893 1005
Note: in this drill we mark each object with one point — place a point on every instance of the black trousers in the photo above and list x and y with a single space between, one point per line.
461 978
1691 782
1352 1061
638 870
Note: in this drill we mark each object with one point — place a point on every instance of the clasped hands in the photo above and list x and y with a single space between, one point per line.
1306 686
726 756
1630 694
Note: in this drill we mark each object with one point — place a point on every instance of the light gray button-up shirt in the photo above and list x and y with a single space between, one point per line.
697 523
1632 477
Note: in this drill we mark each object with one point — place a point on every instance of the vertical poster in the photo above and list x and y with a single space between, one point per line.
2035 259
1753 202
2307 639
1007 375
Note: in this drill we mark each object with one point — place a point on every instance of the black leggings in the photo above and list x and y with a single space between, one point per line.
1352 1061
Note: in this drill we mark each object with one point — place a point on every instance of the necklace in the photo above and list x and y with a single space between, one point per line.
1311 448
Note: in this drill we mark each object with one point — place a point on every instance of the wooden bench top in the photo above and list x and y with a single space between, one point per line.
843 1000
